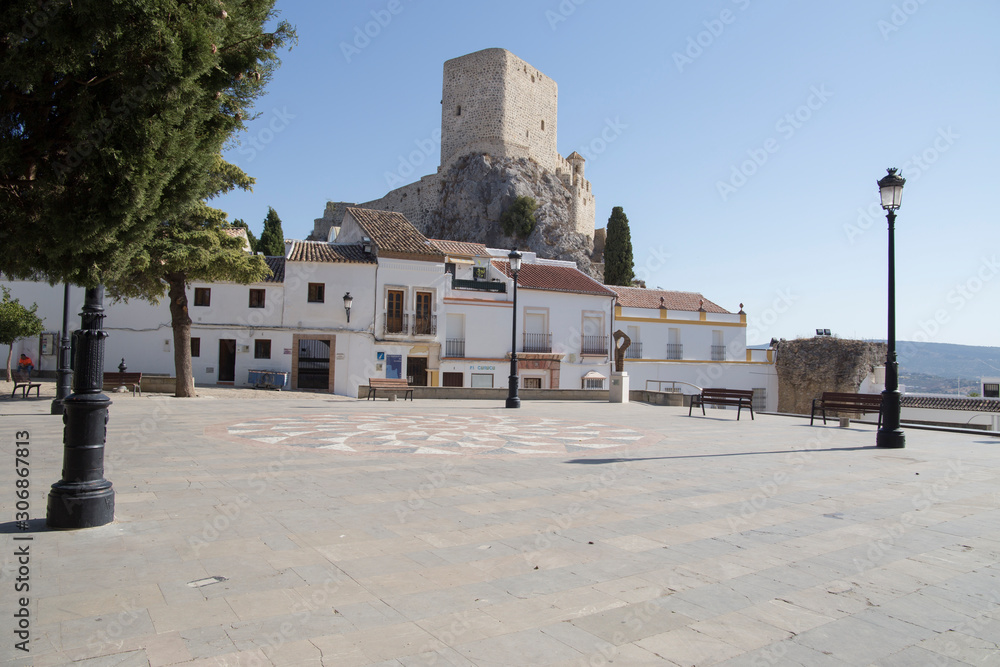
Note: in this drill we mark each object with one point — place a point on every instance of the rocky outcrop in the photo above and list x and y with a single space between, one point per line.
477 189
809 366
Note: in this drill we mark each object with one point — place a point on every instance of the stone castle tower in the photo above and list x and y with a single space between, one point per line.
492 103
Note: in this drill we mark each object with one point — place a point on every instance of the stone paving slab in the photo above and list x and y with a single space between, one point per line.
312 530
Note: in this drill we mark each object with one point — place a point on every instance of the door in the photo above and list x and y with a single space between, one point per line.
227 360
314 364
416 371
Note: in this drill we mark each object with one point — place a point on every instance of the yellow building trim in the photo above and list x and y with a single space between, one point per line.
433 380
663 313
749 353
743 317
695 322
618 311
703 316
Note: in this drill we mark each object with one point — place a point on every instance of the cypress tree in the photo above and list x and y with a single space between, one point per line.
618 262
272 239
239 222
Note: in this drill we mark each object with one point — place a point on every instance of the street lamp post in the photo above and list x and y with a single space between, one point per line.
513 401
891 435
348 302
64 372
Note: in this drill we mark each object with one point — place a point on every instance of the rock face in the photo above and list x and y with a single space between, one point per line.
477 189
809 366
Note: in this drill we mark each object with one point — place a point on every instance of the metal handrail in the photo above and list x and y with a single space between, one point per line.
673 385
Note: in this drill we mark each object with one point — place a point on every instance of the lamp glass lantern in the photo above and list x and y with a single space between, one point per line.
890 189
348 302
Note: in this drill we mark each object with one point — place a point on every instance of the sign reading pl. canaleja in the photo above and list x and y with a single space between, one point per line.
474 367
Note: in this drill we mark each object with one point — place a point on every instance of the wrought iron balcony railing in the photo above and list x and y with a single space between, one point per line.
536 342
593 344
718 353
425 326
634 350
454 347
675 351
481 285
395 324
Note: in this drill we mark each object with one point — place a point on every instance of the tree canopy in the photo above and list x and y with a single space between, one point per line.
618 262
240 223
272 239
519 219
112 116
17 322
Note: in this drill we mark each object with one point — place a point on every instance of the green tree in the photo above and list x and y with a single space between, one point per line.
272 239
195 247
112 113
16 322
239 222
618 262
519 219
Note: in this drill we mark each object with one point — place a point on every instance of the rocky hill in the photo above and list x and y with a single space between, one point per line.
477 189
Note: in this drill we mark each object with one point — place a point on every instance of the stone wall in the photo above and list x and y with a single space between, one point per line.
809 366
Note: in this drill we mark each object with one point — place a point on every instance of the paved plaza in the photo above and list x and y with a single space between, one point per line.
303 529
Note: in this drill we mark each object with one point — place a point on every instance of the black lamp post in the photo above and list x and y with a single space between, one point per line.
64 372
891 435
513 401
83 498
348 302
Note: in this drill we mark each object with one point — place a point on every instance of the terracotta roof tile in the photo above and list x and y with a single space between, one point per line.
321 251
238 232
463 248
554 278
946 403
277 266
637 297
392 232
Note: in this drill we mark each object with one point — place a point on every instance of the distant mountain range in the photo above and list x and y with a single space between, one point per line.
951 362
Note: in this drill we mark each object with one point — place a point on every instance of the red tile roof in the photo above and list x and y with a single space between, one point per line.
321 251
462 248
554 278
392 232
277 266
637 297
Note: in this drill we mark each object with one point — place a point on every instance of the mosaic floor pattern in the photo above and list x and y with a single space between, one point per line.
439 434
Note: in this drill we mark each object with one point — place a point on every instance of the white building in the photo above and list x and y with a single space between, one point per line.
435 312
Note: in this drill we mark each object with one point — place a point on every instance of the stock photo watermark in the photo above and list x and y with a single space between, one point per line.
704 39
279 121
786 126
562 12
900 14
370 30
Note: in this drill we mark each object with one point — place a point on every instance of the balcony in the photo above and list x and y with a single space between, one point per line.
718 353
675 351
425 325
536 342
454 347
594 345
634 350
480 285
395 324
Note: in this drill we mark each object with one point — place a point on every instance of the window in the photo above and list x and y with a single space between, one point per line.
593 383
543 125
195 347
394 312
482 380
202 296
532 383
424 324
991 390
317 292
479 273
262 349
450 267
257 298
458 111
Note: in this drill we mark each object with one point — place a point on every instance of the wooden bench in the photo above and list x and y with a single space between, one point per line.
391 384
131 380
22 381
741 398
847 403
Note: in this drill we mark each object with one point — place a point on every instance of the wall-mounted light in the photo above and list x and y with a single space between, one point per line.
348 302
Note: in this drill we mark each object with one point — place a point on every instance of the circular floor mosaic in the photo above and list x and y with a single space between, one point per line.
439 434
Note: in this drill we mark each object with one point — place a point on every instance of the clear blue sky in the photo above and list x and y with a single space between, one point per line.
745 140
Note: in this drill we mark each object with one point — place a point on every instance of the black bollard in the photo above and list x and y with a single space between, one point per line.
83 498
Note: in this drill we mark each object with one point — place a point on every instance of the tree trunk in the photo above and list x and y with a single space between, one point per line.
10 353
181 323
